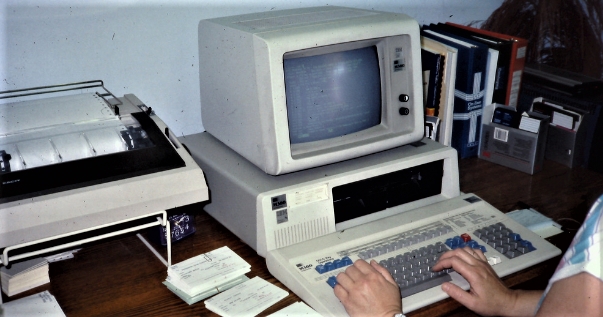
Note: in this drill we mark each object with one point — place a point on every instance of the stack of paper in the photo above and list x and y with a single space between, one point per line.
536 222
41 304
24 275
207 274
247 299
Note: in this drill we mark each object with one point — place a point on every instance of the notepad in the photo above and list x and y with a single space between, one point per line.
246 299
206 274
23 276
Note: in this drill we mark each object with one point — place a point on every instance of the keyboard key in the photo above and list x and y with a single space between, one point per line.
422 285
332 281
346 261
515 236
493 260
466 237
329 266
320 269
478 233
511 254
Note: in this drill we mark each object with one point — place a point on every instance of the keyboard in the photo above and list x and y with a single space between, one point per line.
408 244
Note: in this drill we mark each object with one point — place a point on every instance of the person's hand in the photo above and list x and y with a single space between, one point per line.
368 290
487 294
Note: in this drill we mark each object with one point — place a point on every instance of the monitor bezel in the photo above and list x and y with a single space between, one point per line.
385 129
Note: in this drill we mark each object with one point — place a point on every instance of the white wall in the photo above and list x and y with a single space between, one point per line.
149 48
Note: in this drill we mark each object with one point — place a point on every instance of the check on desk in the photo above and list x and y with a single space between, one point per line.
246 299
207 273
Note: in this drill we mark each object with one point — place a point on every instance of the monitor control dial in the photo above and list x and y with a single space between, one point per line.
404 111
403 98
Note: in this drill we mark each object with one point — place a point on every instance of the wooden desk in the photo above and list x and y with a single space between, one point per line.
120 277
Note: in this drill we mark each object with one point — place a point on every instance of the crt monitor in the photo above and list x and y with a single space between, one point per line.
296 89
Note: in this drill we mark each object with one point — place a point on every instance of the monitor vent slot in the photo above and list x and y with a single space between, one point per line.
301 232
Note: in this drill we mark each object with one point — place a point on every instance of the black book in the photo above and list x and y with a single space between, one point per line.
433 71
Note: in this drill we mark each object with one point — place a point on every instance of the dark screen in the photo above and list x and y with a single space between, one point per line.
333 94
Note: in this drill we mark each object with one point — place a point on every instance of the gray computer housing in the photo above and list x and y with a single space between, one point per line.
242 195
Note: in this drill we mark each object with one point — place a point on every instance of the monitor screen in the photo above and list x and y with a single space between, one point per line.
332 95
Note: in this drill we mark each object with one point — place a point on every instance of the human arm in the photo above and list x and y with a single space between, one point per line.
577 295
487 294
368 290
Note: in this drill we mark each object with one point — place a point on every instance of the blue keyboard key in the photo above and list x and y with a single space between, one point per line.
332 281
346 261
451 243
527 244
320 269
329 266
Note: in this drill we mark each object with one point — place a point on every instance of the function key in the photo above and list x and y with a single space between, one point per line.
346 261
320 269
466 237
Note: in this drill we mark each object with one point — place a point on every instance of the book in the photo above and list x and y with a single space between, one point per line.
433 68
518 60
491 71
497 68
23 276
446 105
431 127
468 92
500 56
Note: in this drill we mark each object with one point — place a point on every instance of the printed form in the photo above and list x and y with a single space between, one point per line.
246 299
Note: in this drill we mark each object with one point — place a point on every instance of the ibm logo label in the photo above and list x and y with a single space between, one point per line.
279 202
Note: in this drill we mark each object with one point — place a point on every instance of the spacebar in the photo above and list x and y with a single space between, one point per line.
423 285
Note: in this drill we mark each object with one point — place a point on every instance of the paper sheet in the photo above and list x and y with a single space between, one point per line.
246 299
299 309
41 304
